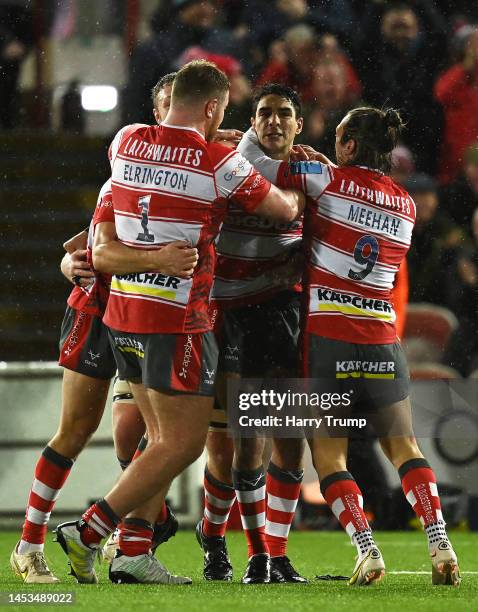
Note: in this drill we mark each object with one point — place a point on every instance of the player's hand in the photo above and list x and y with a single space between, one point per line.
177 258
230 138
77 268
307 153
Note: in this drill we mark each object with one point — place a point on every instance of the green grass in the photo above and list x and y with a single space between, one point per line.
311 552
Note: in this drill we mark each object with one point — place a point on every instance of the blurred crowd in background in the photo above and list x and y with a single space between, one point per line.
419 56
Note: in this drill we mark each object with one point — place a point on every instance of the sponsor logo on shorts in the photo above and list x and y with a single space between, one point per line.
365 369
210 377
73 338
188 349
232 353
129 345
93 358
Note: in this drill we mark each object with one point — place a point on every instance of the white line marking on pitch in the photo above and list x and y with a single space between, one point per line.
424 573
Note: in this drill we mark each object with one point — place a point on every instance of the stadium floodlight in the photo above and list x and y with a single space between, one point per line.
101 98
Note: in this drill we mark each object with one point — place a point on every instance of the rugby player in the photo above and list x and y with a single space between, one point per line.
361 224
169 182
257 312
89 365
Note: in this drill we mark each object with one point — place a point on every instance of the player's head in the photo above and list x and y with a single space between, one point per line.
366 137
277 118
201 91
161 96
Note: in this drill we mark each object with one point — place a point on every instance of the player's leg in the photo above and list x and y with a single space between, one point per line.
219 493
127 422
250 485
345 499
329 453
173 444
420 489
283 484
84 390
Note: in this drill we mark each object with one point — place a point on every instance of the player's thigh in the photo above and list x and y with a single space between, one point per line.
183 419
83 401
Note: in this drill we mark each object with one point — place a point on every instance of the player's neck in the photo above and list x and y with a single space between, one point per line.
282 155
179 119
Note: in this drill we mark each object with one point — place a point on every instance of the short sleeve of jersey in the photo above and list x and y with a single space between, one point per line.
104 211
119 138
310 177
236 178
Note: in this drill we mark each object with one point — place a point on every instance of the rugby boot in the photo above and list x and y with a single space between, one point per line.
445 568
258 570
32 567
164 531
81 557
110 547
369 569
144 569
282 570
217 565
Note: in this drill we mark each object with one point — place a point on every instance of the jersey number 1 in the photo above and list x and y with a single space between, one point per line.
143 204
369 243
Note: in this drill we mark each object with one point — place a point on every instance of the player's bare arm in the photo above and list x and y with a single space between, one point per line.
282 204
110 256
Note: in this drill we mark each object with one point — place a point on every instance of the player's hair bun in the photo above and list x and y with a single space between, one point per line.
392 119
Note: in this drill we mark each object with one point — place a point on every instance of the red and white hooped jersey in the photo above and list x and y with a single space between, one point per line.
357 230
249 249
169 184
93 299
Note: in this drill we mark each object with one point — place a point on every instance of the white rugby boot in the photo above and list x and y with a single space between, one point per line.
445 568
369 569
82 558
32 567
144 569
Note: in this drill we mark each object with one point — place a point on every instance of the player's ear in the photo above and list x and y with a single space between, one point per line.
300 125
156 115
253 122
210 108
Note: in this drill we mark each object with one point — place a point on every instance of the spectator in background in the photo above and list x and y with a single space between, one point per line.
457 92
433 244
397 64
332 98
294 61
192 23
16 37
462 297
460 198
238 112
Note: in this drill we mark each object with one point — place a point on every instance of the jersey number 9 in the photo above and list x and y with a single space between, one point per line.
366 254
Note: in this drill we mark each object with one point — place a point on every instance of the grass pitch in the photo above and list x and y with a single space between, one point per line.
311 552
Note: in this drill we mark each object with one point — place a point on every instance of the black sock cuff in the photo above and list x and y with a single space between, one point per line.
143 443
248 480
138 522
217 483
412 464
286 476
103 504
335 477
51 455
123 463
